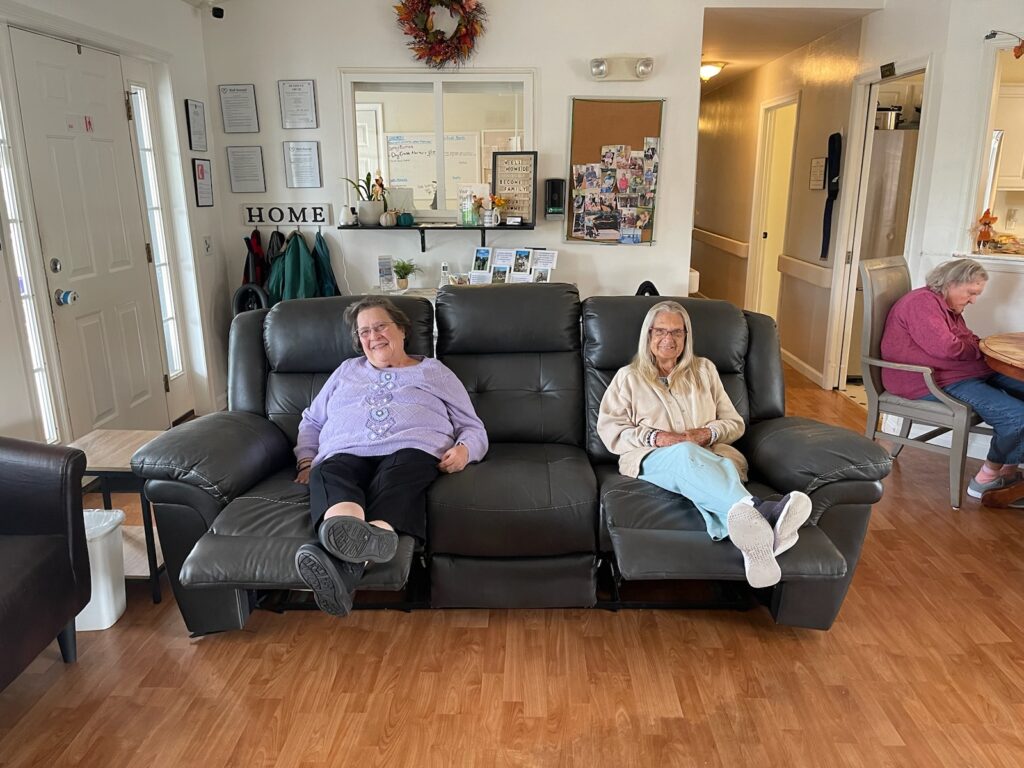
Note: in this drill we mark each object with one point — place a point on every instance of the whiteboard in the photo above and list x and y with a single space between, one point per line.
412 163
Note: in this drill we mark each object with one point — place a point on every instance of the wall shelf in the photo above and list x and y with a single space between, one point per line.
424 228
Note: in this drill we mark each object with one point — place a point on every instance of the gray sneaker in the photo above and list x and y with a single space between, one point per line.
975 489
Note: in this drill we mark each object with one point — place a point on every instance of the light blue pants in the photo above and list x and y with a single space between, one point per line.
710 481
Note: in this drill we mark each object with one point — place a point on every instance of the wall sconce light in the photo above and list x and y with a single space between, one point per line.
709 69
621 68
1018 49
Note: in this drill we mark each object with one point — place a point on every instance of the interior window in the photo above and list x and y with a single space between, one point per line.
1003 178
400 121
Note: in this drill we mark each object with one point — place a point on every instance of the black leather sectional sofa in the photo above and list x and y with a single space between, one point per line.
530 525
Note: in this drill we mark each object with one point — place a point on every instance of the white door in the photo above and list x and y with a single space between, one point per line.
90 227
778 137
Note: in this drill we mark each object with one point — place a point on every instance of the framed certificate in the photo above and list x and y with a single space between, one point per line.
245 169
203 181
238 108
298 103
302 164
195 117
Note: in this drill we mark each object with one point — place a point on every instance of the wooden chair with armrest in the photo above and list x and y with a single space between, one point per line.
884 282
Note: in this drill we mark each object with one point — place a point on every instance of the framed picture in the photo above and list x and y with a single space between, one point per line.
202 178
298 103
302 164
195 118
245 169
514 177
238 108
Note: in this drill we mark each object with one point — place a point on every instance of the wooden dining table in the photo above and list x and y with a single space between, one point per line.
1004 353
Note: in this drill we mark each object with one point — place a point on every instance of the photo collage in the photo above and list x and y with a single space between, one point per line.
613 200
512 265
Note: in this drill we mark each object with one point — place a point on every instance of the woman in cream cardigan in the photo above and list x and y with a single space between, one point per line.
670 421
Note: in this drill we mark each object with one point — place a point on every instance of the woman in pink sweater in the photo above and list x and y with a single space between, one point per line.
927 327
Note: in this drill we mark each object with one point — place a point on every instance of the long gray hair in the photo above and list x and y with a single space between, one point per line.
956 272
644 364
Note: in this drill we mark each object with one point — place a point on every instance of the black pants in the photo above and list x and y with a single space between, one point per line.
390 488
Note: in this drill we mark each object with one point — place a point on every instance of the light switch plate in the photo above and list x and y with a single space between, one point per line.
207 245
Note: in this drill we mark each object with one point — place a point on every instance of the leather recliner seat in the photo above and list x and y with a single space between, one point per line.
528 526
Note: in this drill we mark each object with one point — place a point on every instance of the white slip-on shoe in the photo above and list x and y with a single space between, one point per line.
753 536
795 512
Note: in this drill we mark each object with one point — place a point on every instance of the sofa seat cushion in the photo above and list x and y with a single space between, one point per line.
253 541
523 500
657 534
644 496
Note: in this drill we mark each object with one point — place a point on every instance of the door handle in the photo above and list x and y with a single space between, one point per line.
63 298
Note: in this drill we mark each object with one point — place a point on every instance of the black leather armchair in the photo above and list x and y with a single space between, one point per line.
659 535
44 560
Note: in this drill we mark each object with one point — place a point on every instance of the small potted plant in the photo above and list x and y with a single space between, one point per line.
373 201
403 269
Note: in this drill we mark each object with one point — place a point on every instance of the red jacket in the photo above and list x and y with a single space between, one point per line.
922 330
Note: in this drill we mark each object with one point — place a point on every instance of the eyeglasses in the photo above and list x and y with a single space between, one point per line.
364 333
660 333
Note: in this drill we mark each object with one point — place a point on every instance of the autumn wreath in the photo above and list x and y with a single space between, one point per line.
433 46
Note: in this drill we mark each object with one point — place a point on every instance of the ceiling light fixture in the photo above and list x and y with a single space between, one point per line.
1018 49
709 69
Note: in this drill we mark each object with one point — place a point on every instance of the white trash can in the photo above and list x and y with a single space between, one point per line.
106 563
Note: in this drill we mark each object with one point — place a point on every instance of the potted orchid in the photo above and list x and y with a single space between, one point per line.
372 197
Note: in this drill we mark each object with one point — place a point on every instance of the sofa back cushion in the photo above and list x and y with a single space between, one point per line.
734 341
517 350
279 359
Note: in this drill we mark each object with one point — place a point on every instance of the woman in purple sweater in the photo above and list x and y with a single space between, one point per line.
380 431
926 327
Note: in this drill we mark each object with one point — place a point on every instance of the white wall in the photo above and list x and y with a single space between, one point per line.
315 38
168 32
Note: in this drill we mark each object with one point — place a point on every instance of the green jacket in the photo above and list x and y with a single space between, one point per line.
293 273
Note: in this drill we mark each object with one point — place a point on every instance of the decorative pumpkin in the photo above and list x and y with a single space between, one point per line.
389 218
405 219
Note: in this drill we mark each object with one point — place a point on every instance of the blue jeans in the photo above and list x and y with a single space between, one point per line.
710 481
999 400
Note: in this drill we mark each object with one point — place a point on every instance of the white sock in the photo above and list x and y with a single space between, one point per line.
748 499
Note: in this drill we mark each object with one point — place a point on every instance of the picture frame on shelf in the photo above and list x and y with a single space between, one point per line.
514 177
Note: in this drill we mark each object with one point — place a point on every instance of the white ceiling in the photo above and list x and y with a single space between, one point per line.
747 38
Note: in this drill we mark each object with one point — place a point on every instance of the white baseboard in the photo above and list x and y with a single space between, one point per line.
977 445
811 373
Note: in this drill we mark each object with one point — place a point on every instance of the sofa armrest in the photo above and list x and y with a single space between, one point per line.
222 454
797 454
41 487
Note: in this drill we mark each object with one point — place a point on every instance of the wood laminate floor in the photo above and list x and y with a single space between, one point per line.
924 667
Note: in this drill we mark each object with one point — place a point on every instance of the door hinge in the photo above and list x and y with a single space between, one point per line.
128 105
149 253
849 257
167 383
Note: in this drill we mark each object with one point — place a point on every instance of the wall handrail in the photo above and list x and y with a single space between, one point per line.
721 242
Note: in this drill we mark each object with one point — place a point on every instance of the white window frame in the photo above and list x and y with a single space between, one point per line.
350 77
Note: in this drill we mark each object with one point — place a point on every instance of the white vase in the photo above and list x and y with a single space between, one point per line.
369 212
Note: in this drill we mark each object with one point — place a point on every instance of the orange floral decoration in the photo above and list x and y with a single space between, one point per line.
433 46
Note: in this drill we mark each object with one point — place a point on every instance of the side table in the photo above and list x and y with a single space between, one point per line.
108 455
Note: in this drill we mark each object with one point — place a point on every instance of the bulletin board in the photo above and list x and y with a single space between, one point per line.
614 160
